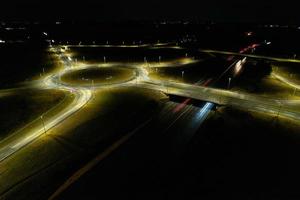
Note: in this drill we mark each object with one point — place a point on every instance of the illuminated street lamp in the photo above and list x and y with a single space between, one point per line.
229 80
295 90
42 118
93 85
104 59
159 59
182 73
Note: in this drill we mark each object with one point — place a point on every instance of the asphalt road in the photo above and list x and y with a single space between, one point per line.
178 119
83 95
164 140
251 56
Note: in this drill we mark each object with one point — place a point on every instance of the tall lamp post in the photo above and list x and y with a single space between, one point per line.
229 80
42 118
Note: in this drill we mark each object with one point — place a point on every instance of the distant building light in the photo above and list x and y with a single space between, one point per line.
249 33
2 41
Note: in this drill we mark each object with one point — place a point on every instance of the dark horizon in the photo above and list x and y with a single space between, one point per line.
230 11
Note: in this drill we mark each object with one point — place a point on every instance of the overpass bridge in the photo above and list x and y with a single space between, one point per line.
276 107
250 56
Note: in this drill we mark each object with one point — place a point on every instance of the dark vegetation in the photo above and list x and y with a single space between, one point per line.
252 76
211 68
20 109
21 62
103 75
229 157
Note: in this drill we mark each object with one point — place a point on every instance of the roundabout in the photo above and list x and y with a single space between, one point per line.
97 76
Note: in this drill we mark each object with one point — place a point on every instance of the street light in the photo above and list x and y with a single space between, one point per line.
104 59
42 118
229 80
182 73
295 90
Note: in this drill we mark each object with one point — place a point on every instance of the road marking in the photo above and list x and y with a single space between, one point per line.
90 165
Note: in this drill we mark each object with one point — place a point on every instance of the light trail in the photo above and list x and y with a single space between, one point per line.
252 56
83 94
285 80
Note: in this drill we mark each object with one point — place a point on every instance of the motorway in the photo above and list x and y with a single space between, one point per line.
250 55
80 95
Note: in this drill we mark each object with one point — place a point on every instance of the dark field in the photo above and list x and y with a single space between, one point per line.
23 62
228 158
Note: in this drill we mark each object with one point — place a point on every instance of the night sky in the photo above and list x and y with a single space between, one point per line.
221 10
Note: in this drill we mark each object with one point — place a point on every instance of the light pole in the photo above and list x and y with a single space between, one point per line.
136 77
104 59
229 80
42 118
279 111
295 90
182 73
159 59
145 59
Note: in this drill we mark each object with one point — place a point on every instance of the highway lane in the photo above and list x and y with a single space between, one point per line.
224 97
212 95
251 56
40 126
83 95
155 45
285 80
182 125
